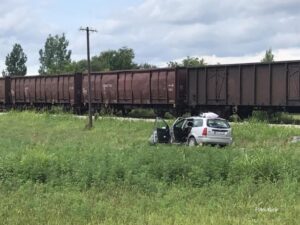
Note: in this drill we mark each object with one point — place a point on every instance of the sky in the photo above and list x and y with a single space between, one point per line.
159 31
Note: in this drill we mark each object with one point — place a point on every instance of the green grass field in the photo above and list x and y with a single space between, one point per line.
53 171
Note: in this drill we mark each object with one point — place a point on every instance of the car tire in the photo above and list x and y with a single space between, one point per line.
192 142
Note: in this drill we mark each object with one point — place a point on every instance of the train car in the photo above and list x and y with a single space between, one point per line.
42 91
161 89
245 87
223 89
4 92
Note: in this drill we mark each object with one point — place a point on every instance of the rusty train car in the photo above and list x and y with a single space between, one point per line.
160 89
245 87
224 89
41 91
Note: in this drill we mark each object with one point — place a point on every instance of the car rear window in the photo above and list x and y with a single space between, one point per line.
217 123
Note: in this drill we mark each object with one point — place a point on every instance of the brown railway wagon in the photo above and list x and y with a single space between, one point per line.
260 85
46 90
155 87
4 91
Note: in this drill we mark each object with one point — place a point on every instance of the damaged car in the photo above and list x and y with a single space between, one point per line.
207 128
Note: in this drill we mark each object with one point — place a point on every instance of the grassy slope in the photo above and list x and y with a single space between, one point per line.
52 171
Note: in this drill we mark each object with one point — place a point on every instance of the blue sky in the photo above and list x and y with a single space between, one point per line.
227 31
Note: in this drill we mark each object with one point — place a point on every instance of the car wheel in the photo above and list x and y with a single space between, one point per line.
192 142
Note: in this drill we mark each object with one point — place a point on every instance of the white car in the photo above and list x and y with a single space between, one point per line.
201 130
196 130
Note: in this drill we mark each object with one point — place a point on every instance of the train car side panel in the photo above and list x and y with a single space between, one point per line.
278 97
233 82
54 89
162 87
85 89
247 85
201 86
155 87
20 97
97 89
93 88
2 91
193 86
181 87
71 89
140 87
5 84
39 97
48 90
30 90
216 86
263 87
294 84
171 82
61 89
109 88
121 88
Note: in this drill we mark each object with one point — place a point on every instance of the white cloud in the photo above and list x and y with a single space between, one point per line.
225 31
166 30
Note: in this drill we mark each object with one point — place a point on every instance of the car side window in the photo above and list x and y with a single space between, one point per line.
179 124
198 122
189 123
217 123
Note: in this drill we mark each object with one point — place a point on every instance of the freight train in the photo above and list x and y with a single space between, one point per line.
224 89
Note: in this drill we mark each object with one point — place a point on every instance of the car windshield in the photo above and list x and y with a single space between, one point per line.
217 123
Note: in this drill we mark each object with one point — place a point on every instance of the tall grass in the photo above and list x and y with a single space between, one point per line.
51 166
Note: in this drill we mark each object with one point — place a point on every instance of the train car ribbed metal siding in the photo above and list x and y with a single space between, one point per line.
132 87
258 84
58 89
2 90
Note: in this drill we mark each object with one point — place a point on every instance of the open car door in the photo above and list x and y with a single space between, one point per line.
161 133
178 131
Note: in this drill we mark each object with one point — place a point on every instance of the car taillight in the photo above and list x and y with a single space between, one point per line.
204 132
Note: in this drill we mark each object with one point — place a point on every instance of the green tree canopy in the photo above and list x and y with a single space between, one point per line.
15 62
269 56
109 60
188 61
146 66
55 58
114 60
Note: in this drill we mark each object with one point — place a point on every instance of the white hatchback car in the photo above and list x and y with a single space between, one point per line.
197 130
201 130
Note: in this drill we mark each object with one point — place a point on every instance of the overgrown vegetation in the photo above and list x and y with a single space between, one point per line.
52 171
277 117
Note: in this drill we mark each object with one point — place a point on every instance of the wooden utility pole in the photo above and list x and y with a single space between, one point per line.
88 30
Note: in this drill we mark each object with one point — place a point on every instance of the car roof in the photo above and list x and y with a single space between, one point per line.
201 117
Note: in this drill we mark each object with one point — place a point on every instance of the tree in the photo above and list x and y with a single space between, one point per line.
173 64
146 66
15 62
269 57
120 59
55 58
188 61
193 61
